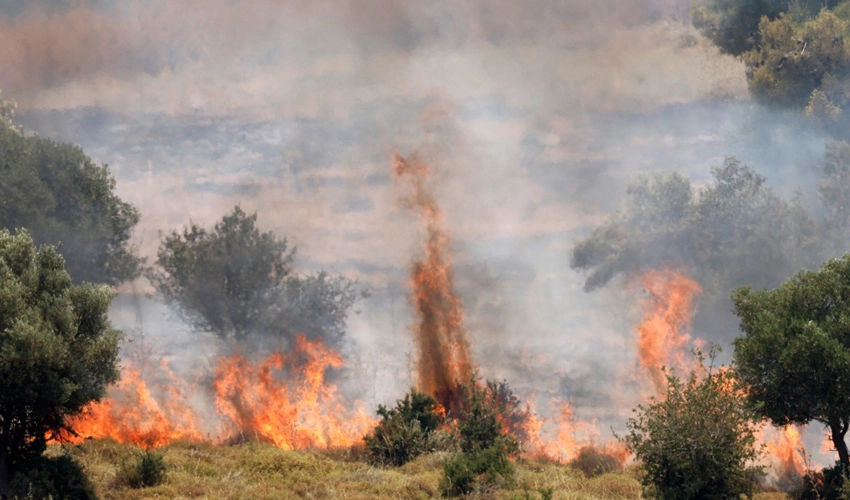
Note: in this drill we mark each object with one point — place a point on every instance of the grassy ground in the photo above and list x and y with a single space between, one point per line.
259 471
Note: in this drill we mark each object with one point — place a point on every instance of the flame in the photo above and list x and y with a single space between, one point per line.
131 414
785 452
284 400
668 310
295 412
440 335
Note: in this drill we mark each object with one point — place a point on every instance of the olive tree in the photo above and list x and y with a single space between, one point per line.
793 358
58 351
234 280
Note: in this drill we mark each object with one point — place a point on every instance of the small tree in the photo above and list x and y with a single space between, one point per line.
57 349
794 356
235 279
696 443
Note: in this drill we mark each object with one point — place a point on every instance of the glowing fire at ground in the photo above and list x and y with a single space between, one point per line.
668 310
443 348
296 412
284 400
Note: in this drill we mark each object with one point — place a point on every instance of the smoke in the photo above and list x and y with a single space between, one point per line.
293 109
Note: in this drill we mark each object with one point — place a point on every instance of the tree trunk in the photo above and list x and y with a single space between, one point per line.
838 430
5 480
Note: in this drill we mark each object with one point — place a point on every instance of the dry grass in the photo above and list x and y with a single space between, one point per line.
260 471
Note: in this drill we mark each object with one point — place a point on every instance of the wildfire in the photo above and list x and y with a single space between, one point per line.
131 414
668 310
284 400
785 452
295 412
440 334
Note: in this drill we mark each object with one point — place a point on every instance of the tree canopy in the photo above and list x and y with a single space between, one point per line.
735 230
58 351
62 197
234 279
794 356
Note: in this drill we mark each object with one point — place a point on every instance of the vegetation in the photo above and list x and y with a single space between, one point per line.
594 462
733 25
234 279
486 445
57 350
406 431
734 231
146 470
261 471
698 441
63 198
793 359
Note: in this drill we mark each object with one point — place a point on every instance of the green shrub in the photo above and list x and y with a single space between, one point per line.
594 462
406 431
698 442
147 470
486 446
53 477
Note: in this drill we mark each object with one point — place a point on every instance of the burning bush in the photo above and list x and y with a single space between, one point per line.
405 432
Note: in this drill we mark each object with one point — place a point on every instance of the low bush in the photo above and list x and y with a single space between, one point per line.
147 470
406 431
594 462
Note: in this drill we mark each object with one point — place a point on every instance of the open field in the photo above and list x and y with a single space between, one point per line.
261 471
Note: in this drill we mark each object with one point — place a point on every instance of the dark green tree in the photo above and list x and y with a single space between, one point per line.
793 359
733 25
234 279
62 197
697 443
57 349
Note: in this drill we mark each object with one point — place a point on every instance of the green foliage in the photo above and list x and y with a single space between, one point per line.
58 351
794 60
485 441
462 472
793 359
404 432
545 494
698 442
733 25
53 477
594 462
61 196
147 470
734 231
235 279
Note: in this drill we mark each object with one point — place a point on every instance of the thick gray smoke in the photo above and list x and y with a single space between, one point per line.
539 114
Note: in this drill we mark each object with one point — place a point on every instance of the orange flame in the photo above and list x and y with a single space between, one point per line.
304 413
131 414
440 335
785 453
297 410
668 309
